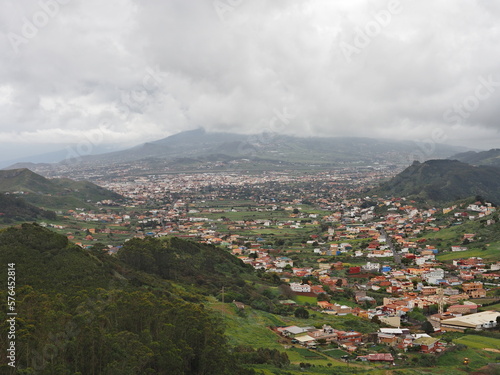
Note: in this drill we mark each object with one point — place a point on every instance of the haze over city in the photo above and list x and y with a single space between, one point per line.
125 72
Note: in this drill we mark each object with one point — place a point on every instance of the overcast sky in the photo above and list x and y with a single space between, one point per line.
122 72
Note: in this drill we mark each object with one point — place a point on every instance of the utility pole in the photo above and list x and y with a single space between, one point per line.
440 301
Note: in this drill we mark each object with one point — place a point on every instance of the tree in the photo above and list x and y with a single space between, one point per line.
323 297
427 327
433 309
302 313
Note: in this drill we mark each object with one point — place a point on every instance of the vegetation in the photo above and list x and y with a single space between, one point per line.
83 312
490 157
202 268
444 181
53 193
17 209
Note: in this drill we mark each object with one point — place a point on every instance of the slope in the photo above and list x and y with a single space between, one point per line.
269 146
490 157
53 193
443 181
17 209
85 312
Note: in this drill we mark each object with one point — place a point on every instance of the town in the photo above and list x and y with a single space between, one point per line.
417 271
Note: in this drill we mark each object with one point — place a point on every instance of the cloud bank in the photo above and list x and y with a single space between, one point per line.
132 71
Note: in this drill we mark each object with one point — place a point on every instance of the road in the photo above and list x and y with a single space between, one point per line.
388 241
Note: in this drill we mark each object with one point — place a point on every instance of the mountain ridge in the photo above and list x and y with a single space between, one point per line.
489 157
200 143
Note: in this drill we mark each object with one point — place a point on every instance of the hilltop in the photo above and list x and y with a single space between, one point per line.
443 181
53 193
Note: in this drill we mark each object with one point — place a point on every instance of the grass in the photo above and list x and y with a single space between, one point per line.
479 342
334 353
494 307
306 299
453 360
318 370
253 330
491 252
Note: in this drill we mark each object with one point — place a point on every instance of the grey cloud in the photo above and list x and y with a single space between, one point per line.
92 64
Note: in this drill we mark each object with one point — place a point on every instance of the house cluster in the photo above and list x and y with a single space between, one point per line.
311 336
403 340
351 340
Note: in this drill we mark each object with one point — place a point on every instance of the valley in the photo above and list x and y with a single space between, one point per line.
317 249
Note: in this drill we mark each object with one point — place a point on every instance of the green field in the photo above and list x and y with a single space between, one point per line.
495 307
306 299
491 252
479 342
253 330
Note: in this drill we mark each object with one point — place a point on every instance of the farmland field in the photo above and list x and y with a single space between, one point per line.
491 252
479 342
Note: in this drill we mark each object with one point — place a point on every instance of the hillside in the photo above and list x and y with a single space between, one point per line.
490 157
443 181
100 316
17 209
52 193
199 149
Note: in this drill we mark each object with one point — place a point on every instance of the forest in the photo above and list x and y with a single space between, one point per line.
86 312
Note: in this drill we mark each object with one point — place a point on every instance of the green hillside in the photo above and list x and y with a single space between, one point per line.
82 312
156 309
24 180
17 209
53 193
443 181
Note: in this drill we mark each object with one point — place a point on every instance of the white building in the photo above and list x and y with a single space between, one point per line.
434 276
369 266
300 288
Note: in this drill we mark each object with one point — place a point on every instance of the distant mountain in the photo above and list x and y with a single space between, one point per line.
443 181
49 157
490 157
63 152
53 193
202 150
270 146
14 208
27 165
